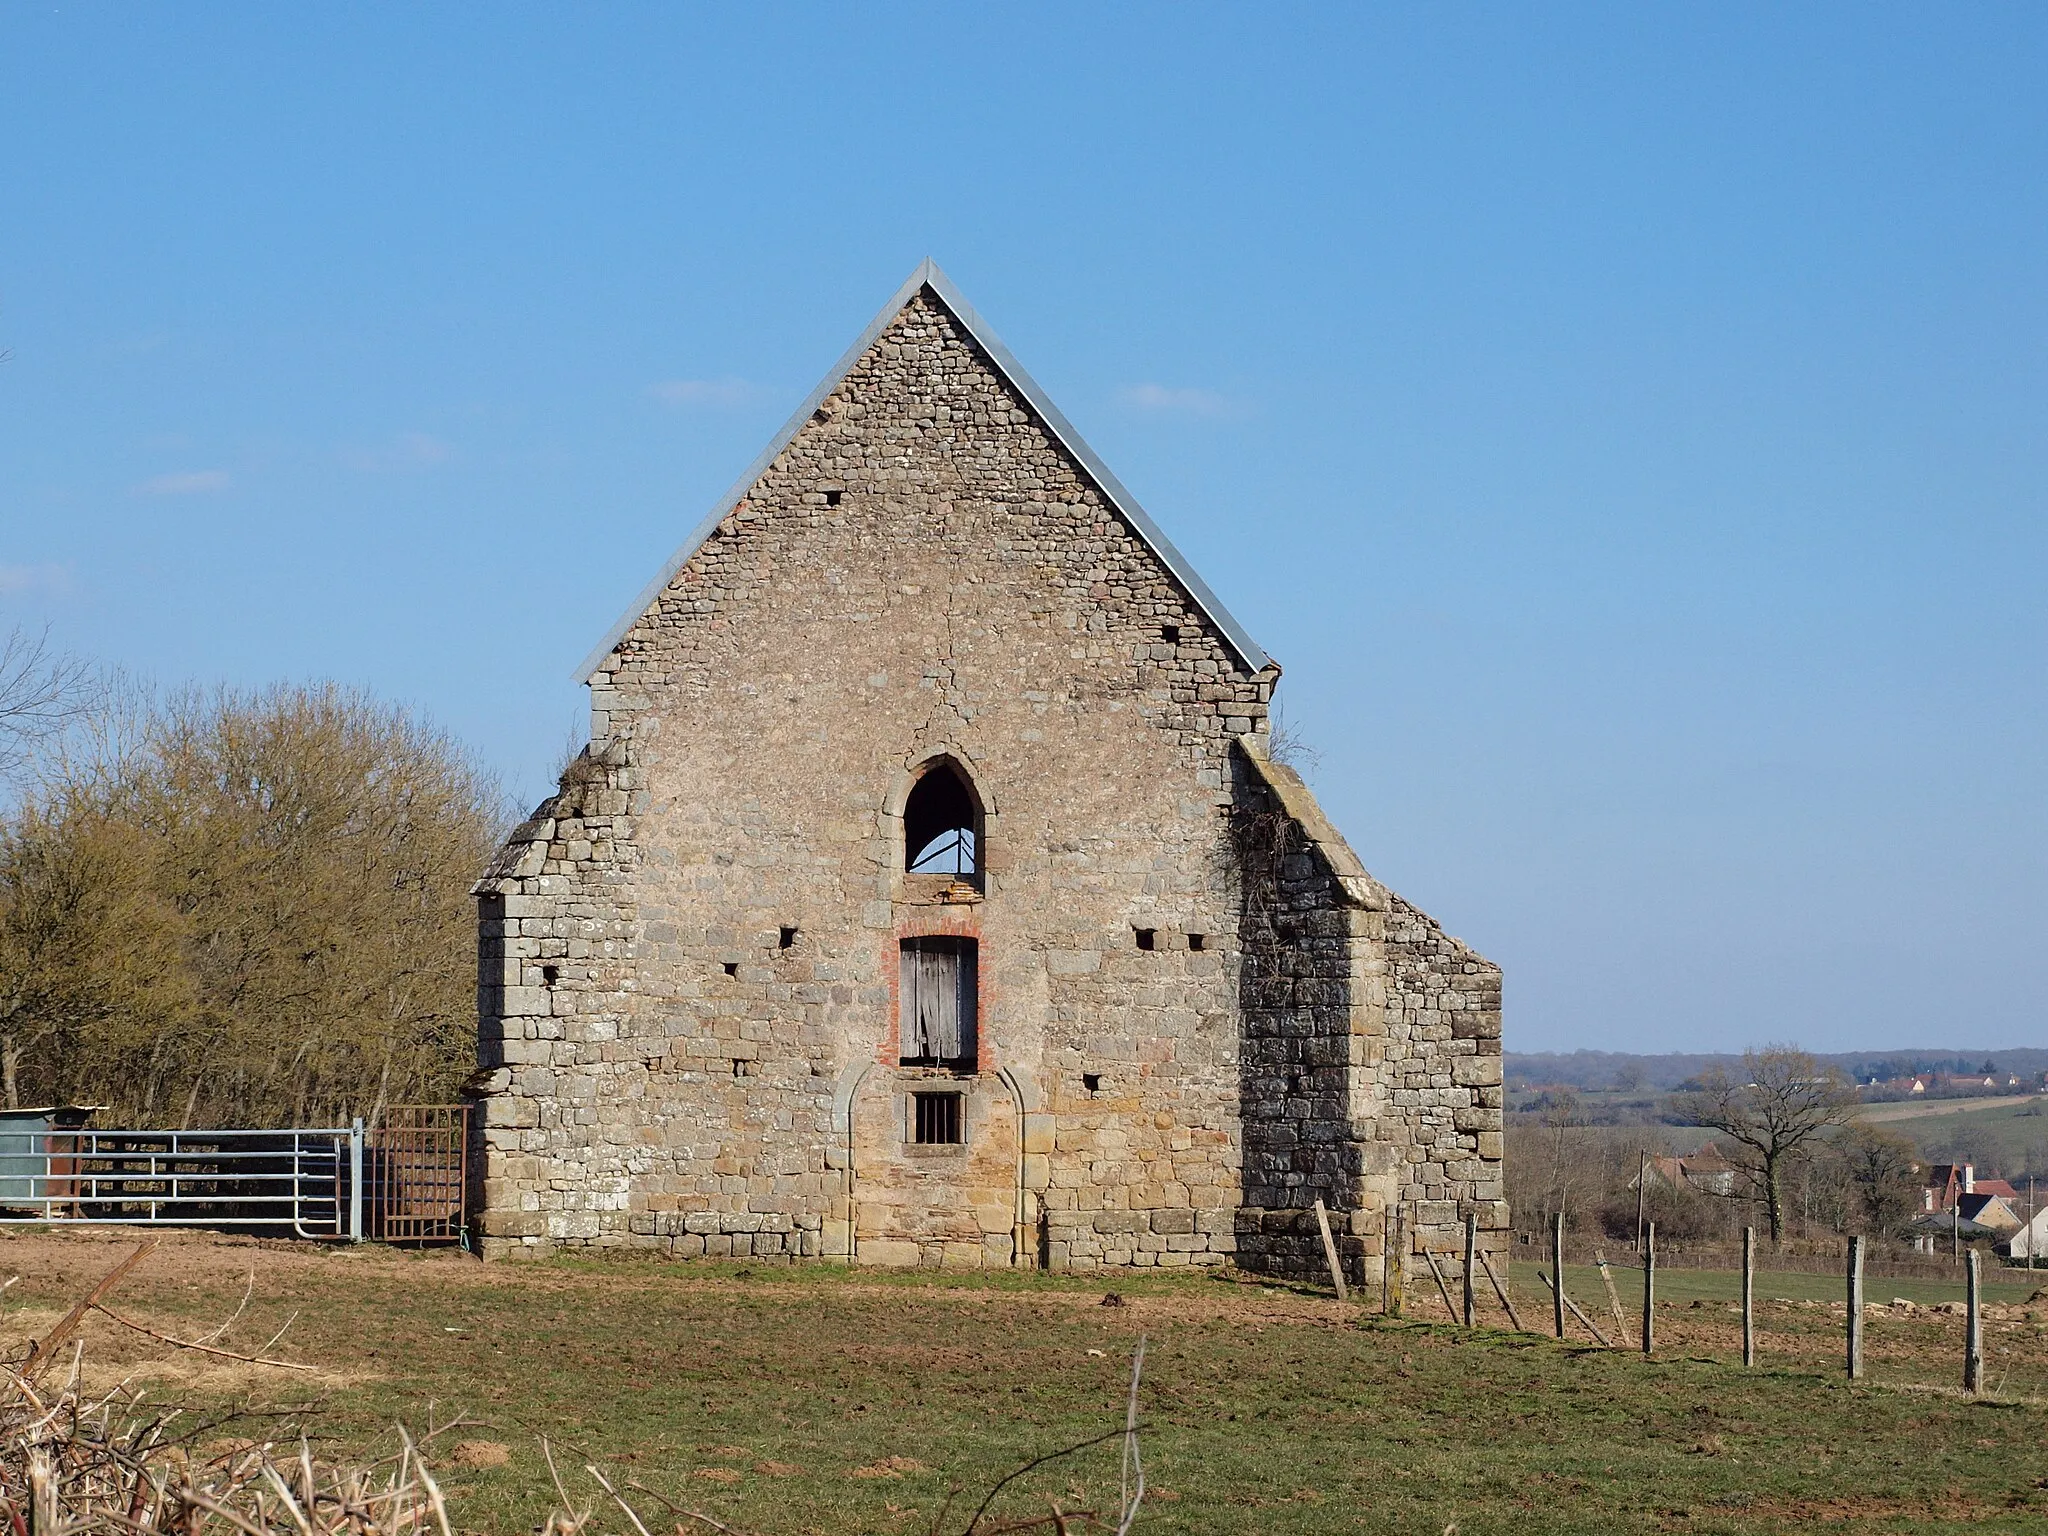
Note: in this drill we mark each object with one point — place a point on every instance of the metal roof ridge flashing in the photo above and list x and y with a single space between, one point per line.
929 275
1248 651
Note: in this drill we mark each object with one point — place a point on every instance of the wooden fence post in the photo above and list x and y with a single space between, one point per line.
1973 1331
1397 1257
1387 1261
1330 1251
1855 1308
1443 1290
1507 1302
1557 1271
1613 1297
1642 1195
1748 1297
1471 1249
1577 1311
1649 1287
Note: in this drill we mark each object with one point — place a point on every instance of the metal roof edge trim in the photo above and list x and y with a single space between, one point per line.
929 275
1248 650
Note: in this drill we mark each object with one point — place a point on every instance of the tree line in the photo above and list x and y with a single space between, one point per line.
232 907
1800 1163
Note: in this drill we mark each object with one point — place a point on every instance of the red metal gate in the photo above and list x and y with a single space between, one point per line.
418 1176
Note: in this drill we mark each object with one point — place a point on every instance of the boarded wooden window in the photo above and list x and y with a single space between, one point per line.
938 1002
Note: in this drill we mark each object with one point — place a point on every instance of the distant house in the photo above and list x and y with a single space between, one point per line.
1992 1212
1946 1183
1930 1228
2030 1240
1955 1085
1971 1216
1992 1204
1950 1185
1705 1172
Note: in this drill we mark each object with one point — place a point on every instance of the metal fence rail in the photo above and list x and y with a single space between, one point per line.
305 1182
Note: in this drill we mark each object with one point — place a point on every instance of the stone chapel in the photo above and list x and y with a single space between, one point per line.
930 892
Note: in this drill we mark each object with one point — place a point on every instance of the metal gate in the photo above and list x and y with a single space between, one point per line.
419 1174
302 1182
404 1182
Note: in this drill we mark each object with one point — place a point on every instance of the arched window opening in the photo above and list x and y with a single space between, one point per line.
941 824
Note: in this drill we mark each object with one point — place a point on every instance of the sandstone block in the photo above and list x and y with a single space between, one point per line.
1476 1071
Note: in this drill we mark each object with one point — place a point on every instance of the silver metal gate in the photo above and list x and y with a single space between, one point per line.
308 1183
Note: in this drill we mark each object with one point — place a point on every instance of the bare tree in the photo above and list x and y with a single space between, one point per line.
90 956
41 692
1553 1160
1564 1124
1783 1101
1885 1172
244 909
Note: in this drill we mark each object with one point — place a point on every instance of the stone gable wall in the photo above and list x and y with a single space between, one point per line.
687 956
922 570
1441 1073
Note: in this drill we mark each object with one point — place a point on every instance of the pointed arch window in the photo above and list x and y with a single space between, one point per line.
942 823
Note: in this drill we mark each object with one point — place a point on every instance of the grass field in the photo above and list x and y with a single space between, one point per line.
2004 1134
1920 1109
788 1401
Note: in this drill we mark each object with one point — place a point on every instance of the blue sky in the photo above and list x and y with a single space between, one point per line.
1624 424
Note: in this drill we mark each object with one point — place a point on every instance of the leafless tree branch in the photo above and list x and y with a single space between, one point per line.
41 692
1783 1100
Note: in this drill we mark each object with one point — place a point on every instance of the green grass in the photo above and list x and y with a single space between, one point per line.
1267 1409
1673 1284
2008 1137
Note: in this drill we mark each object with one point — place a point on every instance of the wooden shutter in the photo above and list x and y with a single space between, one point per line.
965 1001
938 996
907 1026
938 1000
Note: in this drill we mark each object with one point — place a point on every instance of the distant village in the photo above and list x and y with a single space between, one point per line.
1985 1083
1933 1155
1956 1206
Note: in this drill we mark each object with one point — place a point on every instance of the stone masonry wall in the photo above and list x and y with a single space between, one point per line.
1372 1054
689 954
1441 1077
556 936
